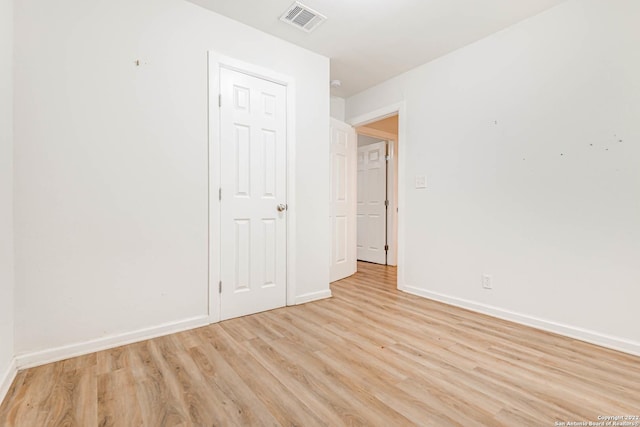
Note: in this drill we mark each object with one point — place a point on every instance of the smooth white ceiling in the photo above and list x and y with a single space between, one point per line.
370 41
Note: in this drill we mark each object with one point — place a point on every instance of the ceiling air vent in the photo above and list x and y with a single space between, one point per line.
300 16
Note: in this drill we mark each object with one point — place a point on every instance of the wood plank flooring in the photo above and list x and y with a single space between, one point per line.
369 356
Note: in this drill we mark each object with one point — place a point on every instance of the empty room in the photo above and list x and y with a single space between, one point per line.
319 213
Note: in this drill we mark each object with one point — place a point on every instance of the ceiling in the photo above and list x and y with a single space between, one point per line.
388 125
370 41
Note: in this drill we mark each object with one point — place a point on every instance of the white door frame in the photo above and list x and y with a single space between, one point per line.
216 62
392 196
373 116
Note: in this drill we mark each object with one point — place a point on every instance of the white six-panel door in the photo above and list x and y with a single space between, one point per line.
372 184
253 171
343 200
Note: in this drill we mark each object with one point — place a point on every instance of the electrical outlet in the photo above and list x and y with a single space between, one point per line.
486 281
421 181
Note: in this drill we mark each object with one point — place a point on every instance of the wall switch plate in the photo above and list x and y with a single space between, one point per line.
421 181
486 281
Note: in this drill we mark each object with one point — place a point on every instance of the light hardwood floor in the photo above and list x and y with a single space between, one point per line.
370 356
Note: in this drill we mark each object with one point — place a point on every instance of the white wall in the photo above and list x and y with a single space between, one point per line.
337 106
530 142
111 163
6 192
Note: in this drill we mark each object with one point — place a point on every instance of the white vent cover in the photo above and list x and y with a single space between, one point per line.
300 16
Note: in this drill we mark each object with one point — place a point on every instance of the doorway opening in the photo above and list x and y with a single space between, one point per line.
377 191
366 158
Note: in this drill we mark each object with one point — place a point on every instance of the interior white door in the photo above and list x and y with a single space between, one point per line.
253 194
343 200
372 191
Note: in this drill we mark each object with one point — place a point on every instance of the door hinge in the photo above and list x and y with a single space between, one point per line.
219 193
386 203
219 100
220 287
387 157
386 247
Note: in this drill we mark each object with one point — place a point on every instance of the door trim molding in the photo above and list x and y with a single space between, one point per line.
215 63
392 196
399 108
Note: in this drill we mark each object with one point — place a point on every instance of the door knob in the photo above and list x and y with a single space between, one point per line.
281 207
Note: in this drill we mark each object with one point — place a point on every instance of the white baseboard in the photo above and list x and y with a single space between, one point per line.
592 337
37 358
6 379
42 357
313 296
